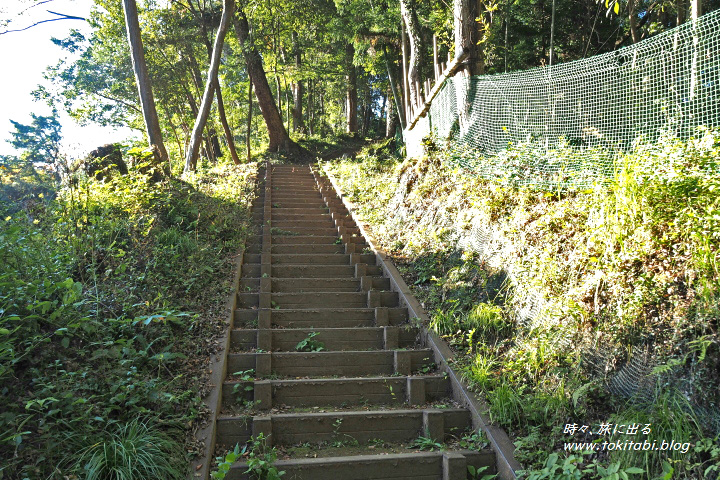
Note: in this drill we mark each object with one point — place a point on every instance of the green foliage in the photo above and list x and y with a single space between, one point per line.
246 379
474 441
261 459
578 280
426 443
477 473
571 468
98 290
308 344
134 451
39 141
224 463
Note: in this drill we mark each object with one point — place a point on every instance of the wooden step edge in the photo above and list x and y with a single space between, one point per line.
507 464
445 465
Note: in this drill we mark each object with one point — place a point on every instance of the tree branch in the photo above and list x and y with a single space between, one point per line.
117 100
61 15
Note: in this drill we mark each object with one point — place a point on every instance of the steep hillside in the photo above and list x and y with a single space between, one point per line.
582 308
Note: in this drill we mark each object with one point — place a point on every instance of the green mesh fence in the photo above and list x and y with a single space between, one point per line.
564 126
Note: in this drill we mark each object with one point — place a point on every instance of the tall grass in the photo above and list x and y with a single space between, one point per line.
134 451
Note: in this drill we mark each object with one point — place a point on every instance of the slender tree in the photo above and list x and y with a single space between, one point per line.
351 97
212 83
147 101
407 10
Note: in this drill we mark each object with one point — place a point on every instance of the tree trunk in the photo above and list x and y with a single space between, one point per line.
552 29
366 110
198 84
311 110
681 6
396 96
147 101
192 153
218 94
297 89
390 117
632 17
249 119
351 90
412 28
226 127
466 32
279 138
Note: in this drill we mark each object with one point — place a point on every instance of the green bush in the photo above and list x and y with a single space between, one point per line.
110 296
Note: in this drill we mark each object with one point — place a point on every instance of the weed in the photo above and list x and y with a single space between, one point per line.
225 463
342 440
390 388
261 459
376 442
506 405
474 473
308 344
426 443
474 441
427 367
572 468
482 372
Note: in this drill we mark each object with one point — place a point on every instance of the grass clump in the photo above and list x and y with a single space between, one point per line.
133 451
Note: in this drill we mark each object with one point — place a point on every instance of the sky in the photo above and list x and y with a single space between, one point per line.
24 56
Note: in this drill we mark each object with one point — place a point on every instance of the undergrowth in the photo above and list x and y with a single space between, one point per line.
111 297
569 310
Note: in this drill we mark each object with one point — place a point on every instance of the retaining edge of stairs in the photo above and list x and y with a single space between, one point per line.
507 465
200 467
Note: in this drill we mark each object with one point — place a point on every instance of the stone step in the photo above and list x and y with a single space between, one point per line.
320 300
278 208
328 364
311 259
297 197
395 426
308 249
299 230
307 240
332 339
321 318
318 271
292 224
338 392
280 215
439 465
310 271
289 285
326 300
300 285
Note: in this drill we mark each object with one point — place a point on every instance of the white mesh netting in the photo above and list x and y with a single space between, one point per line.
564 126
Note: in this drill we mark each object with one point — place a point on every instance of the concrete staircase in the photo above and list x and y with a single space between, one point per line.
350 410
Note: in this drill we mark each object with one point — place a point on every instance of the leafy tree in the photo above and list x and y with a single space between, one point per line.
39 141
